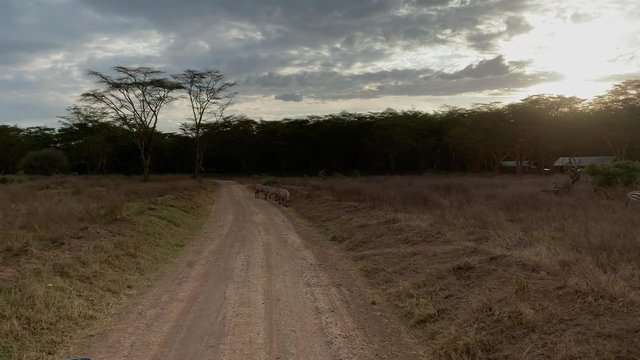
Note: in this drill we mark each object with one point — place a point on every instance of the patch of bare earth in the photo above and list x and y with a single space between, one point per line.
492 267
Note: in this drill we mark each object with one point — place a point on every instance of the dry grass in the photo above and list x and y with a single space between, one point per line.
491 267
72 250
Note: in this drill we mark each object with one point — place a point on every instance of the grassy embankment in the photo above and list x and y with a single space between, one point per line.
74 250
490 268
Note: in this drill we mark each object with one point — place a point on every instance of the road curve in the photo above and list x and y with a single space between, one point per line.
249 289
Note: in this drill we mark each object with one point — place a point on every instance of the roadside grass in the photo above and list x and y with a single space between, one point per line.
490 267
74 250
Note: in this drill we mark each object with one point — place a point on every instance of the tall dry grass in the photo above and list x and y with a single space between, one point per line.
72 249
492 267
44 213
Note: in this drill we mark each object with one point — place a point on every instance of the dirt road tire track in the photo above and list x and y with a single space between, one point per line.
248 289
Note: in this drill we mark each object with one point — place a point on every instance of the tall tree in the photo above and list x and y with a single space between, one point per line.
536 121
618 114
134 98
209 95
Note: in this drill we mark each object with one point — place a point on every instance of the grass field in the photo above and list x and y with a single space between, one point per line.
73 250
490 267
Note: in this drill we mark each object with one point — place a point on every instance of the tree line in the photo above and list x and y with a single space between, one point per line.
113 130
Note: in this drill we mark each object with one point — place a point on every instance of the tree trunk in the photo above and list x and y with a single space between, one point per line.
146 164
147 168
199 159
197 162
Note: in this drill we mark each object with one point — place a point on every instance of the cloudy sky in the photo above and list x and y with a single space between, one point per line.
297 57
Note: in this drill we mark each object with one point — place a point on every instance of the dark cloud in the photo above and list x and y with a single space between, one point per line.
517 25
31 28
289 97
493 67
487 75
486 40
347 31
429 3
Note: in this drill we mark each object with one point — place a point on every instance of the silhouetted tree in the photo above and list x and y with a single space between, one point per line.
209 96
134 98
538 128
618 115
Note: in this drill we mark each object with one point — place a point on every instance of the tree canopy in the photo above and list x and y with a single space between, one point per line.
537 129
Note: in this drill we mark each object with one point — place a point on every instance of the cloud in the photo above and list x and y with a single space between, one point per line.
492 67
619 77
486 40
296 51
517 25
487 75
289 97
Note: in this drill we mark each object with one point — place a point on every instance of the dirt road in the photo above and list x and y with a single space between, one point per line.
249 289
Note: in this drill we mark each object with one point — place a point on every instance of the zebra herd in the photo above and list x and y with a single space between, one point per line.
281 195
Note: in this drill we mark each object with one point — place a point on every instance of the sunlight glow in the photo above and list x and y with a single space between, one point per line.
584 54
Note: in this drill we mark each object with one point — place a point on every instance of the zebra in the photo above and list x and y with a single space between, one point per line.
259 189
633 196
270 191
283 197
267 190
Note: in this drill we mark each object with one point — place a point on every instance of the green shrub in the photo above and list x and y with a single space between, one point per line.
629 172
624 173
44 162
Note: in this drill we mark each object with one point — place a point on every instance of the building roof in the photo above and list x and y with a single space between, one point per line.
512 163
585 160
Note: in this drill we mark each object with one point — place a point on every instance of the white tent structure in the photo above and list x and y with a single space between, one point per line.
583 161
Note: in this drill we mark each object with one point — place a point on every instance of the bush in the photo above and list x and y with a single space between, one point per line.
629 172
7 179
44 162
624 173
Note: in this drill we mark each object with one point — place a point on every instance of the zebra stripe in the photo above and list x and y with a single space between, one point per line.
270 191
633 196
280 195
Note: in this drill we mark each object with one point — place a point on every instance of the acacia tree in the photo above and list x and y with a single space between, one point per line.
617 113
133 99
209 96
